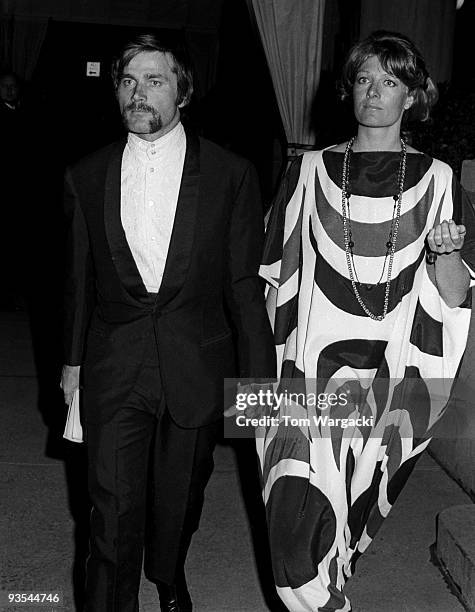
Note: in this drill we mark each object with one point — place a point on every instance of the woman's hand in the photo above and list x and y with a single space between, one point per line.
446 237
449 273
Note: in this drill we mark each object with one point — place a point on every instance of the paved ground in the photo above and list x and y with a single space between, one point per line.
43 516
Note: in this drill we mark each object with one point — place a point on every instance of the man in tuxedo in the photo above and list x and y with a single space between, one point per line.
165 240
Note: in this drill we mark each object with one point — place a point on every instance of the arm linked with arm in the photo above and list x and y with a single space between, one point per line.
244 291
454 241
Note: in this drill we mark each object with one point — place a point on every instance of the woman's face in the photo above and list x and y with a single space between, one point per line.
379 98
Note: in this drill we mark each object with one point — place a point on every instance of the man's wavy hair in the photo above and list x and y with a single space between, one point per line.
181 64
399 56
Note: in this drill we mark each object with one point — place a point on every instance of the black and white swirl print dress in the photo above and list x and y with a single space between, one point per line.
328 488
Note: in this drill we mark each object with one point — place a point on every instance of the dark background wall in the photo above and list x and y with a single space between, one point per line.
234 102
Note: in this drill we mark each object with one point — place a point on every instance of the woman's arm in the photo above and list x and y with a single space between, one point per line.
449 273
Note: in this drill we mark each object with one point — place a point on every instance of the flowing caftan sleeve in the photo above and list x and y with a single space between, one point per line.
282 224
439 333
281 265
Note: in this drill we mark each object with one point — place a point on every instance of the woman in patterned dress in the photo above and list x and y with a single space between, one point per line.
368 259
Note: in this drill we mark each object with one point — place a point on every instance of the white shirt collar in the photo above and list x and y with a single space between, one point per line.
151 151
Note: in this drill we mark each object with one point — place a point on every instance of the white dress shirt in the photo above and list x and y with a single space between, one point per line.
150 182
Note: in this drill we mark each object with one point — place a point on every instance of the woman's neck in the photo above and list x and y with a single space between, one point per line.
376 140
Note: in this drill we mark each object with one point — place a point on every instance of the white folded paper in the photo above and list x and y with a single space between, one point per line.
73 428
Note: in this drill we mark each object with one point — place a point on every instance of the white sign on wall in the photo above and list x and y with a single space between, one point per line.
93 69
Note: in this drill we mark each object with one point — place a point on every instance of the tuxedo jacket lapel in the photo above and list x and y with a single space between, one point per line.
120 251
181 242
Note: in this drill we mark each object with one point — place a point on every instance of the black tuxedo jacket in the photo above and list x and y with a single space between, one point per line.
210 272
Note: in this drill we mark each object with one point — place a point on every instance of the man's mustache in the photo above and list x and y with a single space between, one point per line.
140 108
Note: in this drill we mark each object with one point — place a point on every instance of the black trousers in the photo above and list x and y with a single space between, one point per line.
146 482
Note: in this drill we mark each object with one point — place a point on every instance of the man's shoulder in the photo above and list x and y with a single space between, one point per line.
211 153
220 156
93 160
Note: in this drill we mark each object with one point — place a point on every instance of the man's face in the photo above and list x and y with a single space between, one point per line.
147 95
9 90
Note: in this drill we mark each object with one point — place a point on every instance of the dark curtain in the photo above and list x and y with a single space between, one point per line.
21 42
429 23
291 34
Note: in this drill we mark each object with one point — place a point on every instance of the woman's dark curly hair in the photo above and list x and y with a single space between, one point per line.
398 56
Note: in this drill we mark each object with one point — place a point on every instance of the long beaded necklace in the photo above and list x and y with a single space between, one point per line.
393 232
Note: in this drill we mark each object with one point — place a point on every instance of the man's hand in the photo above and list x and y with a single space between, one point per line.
253 399
69 381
